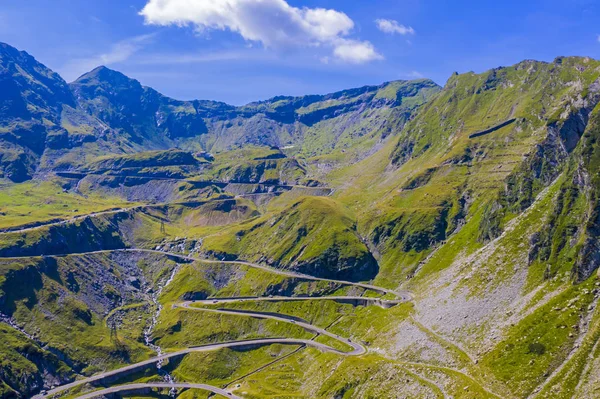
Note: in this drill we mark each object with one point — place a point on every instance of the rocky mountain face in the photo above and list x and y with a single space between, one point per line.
496 140
148 116
31 101
40 120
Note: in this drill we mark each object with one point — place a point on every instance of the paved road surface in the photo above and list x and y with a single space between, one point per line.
402 295
357 349
384 303
18 229
203 348
112 211
131 387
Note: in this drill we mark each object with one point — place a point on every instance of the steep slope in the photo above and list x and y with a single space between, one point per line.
41 124
488 213
25 365
310 124
316 236
443 172
139 113
32 99
81 335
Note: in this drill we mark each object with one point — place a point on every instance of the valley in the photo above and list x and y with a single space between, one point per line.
400 240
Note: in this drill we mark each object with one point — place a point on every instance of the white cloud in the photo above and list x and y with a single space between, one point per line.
119 52
356 52
274 23
390 26
198 58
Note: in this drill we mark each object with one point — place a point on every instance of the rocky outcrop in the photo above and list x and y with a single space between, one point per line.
548 160
31 367
331 265
588 177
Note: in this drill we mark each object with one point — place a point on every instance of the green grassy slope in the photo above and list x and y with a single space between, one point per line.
25 365
439 177
40 202
60 303
312 235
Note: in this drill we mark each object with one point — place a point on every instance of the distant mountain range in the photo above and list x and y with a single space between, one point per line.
47 124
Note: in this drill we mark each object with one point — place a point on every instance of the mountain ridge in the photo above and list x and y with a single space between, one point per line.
105 112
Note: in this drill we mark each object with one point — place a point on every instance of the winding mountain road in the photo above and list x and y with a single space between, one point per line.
137 387
383 303
205 348
401 295
54 222
357 349
82 175
111 211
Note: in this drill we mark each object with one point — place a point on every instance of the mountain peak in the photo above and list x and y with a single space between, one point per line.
8 50
103 74
23 77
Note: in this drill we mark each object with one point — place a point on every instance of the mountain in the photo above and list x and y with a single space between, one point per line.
149 117
40 120
401 240
32 98
505 134
486 208
49 125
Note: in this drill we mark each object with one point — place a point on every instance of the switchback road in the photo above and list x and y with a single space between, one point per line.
137 387
357 349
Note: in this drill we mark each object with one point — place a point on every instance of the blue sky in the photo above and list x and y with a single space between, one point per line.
239 51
